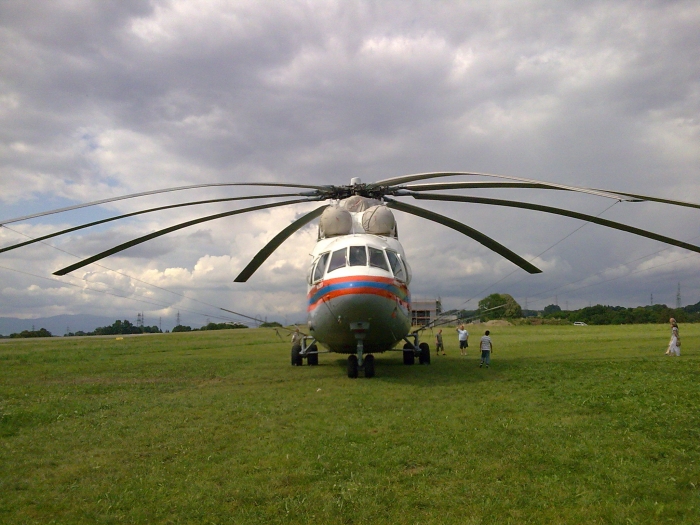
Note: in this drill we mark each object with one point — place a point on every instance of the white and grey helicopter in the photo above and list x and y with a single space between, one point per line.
358 281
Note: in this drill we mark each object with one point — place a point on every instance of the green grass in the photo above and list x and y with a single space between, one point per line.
570 425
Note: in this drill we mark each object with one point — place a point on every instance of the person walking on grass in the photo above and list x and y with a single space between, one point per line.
486 349
674 346
438 343
463 339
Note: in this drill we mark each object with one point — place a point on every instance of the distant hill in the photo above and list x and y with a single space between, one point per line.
57 324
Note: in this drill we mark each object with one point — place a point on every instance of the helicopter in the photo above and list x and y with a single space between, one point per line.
358 299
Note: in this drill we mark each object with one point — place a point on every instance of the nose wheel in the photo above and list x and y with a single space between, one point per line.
354 366
359 361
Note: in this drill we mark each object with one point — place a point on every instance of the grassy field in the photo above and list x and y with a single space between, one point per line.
570 425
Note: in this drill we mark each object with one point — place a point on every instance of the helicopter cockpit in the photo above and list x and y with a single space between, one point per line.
386 260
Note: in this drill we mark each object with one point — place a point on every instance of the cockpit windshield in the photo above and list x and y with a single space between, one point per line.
377 259
396 265
358 256
388 261
338 260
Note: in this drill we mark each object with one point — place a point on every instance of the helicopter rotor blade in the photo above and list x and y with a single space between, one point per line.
560 211
634 197
275 243
319 190
160 208
170 229
657 199
474 185
466 230
422 176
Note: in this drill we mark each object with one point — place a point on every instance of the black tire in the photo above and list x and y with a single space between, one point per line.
424 358
352 366
312 360
369 366
409 357
297 360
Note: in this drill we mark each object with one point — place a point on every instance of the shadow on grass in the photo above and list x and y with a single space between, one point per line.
443 370
453 370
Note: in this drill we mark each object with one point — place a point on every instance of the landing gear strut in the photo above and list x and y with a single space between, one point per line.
359 360
411 350
305 351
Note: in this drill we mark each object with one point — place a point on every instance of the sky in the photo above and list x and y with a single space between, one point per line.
101 99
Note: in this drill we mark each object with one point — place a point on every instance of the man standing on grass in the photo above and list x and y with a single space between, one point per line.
463 339
486 348
438 343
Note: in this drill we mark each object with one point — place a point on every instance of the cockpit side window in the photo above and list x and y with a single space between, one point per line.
377 259
320 267
396 265
358 256
338 260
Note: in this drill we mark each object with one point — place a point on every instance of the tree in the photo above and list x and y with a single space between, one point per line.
550 309
499 306
42 332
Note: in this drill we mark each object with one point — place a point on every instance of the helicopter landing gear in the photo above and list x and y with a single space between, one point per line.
353 366
360 361
413 350
409 357
301 352
424 357
297 359
312 360
369 366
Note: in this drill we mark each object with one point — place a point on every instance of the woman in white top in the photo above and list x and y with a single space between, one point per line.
674 346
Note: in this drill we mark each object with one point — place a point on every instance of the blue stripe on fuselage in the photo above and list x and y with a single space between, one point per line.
353 284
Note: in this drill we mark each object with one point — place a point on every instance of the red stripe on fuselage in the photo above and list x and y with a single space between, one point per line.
352 291
360 290
350 278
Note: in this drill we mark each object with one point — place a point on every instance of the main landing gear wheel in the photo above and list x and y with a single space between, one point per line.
424 357
369 366
297 359
352 366
408 357
312 360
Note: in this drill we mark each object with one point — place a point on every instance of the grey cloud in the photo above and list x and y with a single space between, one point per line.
109 97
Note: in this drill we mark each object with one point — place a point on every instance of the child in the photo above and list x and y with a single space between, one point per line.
486 349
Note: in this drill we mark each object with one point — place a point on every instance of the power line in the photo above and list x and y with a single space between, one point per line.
535 257
616 278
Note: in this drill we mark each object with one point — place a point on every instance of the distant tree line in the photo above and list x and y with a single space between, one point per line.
599 314
210 326
118 328
503 306
41 332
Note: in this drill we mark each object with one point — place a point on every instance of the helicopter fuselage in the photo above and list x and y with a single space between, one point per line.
358 297
358 286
